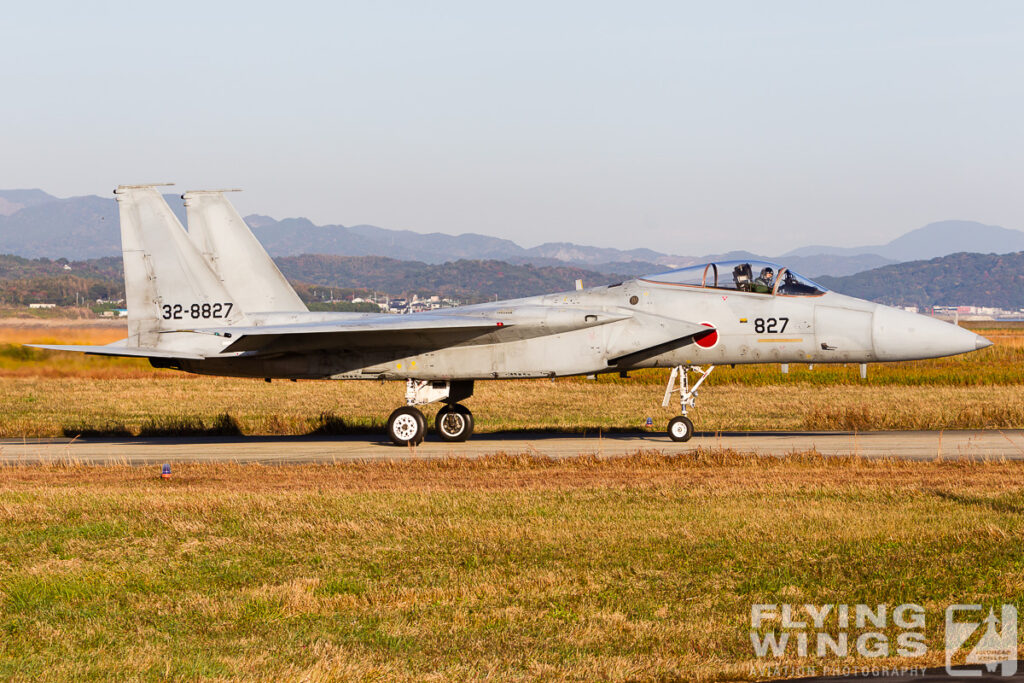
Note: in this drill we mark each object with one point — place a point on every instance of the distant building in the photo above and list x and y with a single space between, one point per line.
42 305
958 313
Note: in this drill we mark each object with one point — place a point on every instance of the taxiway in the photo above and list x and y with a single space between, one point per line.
920 445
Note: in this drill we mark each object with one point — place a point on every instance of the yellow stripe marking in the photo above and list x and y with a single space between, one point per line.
780 340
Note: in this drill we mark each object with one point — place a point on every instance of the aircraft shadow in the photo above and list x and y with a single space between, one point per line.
623 433
224 425
332 428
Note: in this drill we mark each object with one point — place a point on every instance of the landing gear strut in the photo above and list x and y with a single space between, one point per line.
680 428
408 427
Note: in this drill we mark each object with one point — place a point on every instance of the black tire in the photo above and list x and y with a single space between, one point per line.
407 427
680 428
454 423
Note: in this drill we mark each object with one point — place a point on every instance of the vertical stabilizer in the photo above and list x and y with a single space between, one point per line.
168 284
236 256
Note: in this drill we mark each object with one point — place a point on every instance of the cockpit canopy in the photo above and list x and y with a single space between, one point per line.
745 276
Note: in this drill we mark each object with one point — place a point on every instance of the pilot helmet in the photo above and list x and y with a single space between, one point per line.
767 272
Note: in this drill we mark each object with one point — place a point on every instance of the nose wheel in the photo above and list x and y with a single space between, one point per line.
680 428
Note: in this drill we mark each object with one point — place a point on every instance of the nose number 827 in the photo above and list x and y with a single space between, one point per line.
770 325
196 311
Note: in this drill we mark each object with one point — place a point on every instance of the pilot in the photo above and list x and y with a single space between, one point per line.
763 283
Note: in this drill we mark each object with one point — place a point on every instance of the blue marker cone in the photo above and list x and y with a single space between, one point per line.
650 422
165 473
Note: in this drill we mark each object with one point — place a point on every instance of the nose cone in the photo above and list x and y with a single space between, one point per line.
899 335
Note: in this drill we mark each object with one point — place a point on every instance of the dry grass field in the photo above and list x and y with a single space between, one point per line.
54 394
506 568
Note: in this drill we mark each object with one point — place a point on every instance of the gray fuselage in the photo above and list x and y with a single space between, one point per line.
750 328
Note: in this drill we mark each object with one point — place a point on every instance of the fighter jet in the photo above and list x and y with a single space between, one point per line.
211 301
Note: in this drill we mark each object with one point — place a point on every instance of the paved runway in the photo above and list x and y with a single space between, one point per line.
988 444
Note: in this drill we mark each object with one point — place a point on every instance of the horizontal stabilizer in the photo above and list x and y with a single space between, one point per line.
117 350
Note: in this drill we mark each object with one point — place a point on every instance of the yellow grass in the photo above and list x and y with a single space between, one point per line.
60 332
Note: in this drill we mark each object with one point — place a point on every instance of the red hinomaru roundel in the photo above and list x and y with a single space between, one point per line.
708 340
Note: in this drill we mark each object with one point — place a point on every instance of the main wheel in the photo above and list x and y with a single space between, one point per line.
454 423
407 426
680 428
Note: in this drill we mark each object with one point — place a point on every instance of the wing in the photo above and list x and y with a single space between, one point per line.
386 331
638 336
419 331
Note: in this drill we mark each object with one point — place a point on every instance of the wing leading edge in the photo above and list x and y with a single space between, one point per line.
643 334
414 331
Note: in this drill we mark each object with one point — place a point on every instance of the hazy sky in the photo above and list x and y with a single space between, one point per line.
684 127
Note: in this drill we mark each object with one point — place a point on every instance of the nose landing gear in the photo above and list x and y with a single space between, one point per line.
408 427
680 428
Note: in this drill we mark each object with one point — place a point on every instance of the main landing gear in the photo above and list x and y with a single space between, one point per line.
454 422
680 428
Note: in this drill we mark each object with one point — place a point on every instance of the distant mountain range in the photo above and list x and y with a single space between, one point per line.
957 279
963 279
24 281
36 224
467 280
933 240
